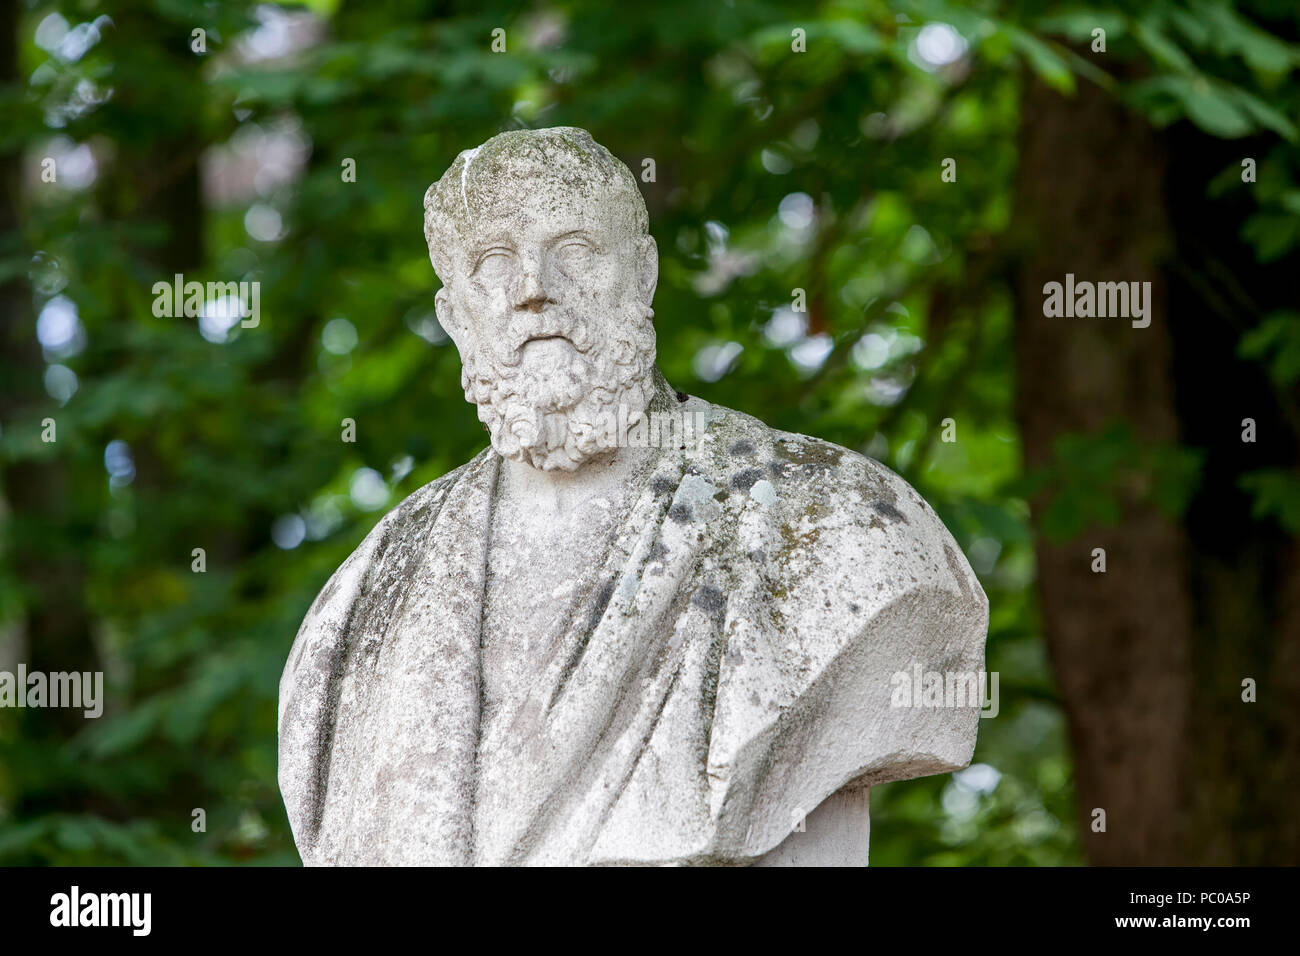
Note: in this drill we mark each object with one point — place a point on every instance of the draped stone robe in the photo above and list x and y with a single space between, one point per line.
724 668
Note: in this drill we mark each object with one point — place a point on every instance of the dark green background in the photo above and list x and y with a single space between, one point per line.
227 438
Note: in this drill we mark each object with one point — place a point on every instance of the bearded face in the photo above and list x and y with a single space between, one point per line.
549 392
550 312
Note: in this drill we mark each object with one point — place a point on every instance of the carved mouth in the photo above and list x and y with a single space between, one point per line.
549 337
570 333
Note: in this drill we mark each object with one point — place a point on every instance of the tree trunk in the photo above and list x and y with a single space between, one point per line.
1150 655
56 627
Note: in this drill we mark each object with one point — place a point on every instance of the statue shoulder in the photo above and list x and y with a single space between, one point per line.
430 495
347 610
391 536
842 577
843 512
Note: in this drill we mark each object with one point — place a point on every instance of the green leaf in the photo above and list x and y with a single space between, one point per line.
1214 112
1231 34
1276 341
1163 50
1045 61
1262 113
1272 234
1277 495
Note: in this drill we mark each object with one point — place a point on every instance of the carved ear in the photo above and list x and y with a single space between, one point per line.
447 317
649 262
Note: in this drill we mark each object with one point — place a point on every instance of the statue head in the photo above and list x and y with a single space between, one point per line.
540 240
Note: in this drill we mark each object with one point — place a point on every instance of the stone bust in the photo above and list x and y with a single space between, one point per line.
638 628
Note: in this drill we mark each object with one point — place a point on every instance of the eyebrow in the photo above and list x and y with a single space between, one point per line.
578 234
476 253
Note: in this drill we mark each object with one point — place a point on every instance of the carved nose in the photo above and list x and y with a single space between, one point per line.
532 297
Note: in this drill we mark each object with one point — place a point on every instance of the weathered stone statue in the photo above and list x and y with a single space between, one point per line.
637 629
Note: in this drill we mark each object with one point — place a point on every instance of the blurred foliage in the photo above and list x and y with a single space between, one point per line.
774 171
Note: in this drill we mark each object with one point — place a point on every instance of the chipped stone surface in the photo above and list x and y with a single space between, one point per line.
566 653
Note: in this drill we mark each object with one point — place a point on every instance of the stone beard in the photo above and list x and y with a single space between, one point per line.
558 416
574 650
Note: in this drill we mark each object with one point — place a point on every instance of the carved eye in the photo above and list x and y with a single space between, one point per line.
495 262
574 252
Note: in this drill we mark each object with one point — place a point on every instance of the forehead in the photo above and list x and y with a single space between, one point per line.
536 208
